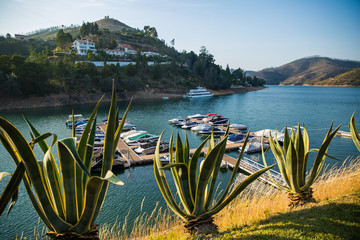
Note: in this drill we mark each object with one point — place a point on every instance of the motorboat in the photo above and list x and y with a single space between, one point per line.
199 127
197 116
254 146
175 120
135 134
343 134
78 119
145 137
267 132
150 150
238 126
214 130
237 138
198 93
188 125
217 119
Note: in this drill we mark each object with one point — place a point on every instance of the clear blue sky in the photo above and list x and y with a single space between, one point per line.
251 34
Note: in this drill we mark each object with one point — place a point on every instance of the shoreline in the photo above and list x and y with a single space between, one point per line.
63 99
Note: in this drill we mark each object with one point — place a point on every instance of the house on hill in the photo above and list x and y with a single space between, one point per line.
83 46
114 52
127 49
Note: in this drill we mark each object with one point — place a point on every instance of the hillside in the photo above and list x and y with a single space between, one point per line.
349 78
312 70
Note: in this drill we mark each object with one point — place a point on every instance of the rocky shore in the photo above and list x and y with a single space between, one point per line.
64 99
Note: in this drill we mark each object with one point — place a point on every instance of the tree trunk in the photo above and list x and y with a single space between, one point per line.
301 198
201 226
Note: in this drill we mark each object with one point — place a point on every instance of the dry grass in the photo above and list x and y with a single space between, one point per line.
262 202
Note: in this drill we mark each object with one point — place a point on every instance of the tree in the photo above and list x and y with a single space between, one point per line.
63 40
153 32
32 78
172 42
5 64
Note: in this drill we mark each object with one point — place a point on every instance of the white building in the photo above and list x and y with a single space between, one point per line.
114 52
127 49
149 53
83 46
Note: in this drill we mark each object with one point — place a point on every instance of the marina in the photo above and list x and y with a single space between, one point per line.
271 108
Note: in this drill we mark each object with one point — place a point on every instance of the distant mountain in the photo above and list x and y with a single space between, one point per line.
311 70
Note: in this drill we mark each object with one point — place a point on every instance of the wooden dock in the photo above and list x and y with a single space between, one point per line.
247 166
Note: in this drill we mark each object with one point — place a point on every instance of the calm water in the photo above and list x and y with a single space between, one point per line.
273 107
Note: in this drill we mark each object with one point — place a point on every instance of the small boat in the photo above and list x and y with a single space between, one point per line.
175 120
343 134
199 127
78 119
218 119
198 93
238 126
254 146
196 116
134 135
145 137
266 133
188 125
150 150
236 138
214 130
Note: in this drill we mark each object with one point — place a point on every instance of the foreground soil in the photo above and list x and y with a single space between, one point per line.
64 99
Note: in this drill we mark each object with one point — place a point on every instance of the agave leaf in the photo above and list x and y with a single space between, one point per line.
236 191
84 140
320 157
163 184
233 175
92 194
51 170
204 176
68 169
180 175
291 166
9 147
286 139
172 165
11 189
193 167
300 151
354 132
306 150
211 186
112 135
186 151
279 157
53 180
26 154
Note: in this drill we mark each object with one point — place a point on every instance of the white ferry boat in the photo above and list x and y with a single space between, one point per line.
198 92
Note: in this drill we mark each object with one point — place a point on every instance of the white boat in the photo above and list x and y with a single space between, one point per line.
198 92
135 134
266 133
254 146
238 126
196 116
343 134
199 127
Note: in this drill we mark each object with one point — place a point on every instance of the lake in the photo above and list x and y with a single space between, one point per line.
273 108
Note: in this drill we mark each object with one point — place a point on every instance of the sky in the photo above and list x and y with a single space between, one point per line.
250 34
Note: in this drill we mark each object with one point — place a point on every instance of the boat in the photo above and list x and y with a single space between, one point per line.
199 127
150 150
237 138
142 138
343 134
211 129
267 132
197 116
188 125
78 119
217 119
254 146
198 92
238 126
135 134
175 120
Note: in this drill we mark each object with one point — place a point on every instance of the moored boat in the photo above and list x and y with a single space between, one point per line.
198 92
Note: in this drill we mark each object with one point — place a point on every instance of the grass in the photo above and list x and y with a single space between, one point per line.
262 212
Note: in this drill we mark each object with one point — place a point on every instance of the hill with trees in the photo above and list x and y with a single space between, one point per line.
310 71
47 64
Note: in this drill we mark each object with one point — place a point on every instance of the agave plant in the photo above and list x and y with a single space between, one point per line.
354 132
67 198
195 188
292 160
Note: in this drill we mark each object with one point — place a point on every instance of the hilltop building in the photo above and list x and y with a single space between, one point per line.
83 46
114 52
21 37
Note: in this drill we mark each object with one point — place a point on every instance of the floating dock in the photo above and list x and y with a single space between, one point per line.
247 166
